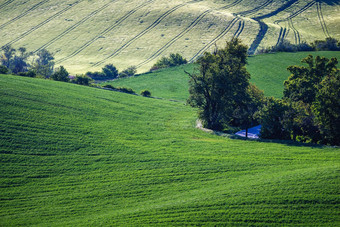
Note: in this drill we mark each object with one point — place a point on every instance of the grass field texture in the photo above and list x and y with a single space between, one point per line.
74 155
85 35
268 72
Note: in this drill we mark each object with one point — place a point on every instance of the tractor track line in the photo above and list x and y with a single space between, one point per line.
149 28
23 14
224 32
256 9
6 4
180 35
41 24
307 6
239 29
108 29
277 11
296 32
322 20
71 28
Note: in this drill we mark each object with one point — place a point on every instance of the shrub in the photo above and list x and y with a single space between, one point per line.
126 90
29 73
172 60
110 71
109 86
60 74
3 69
145 93
131 71
82 80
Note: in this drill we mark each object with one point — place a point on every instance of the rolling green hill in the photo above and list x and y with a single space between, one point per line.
268 72
74 155
85 35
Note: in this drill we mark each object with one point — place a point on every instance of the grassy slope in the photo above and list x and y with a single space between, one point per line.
268 71
90 31
73 155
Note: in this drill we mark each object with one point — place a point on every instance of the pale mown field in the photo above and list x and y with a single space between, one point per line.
85 35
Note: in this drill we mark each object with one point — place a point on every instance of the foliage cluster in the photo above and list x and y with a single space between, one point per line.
329 44
110 72
172 60
310 108
221 89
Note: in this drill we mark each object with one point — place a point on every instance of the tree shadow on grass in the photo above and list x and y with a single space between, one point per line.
284 142
329 2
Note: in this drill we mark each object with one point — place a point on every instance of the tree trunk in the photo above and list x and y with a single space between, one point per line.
247 133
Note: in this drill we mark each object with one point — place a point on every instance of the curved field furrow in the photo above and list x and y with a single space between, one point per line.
185 31
23 14
296 32
108 29
154 24
232 4
41 24
322 20
239 29
307 6
172 41
6 3
71 28
277 11
247 12
218 37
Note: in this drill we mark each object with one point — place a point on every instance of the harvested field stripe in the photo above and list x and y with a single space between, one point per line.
41 24
128 43
322 20
71 28
307 6
223 33
23 14
186 30
108 29
6 4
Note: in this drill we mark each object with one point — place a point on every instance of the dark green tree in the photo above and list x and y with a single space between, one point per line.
327 108
221 84
44 63
272 118
110 71
7 55
19 63
131 71
60 74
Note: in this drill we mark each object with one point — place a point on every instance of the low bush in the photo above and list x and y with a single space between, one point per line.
82 80
3 69
126 90
131 71
145 93
29 73
172 60
109 86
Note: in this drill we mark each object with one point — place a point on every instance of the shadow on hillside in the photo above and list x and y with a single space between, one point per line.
284 142
329 2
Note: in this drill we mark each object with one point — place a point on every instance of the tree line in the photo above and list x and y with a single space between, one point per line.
308 112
